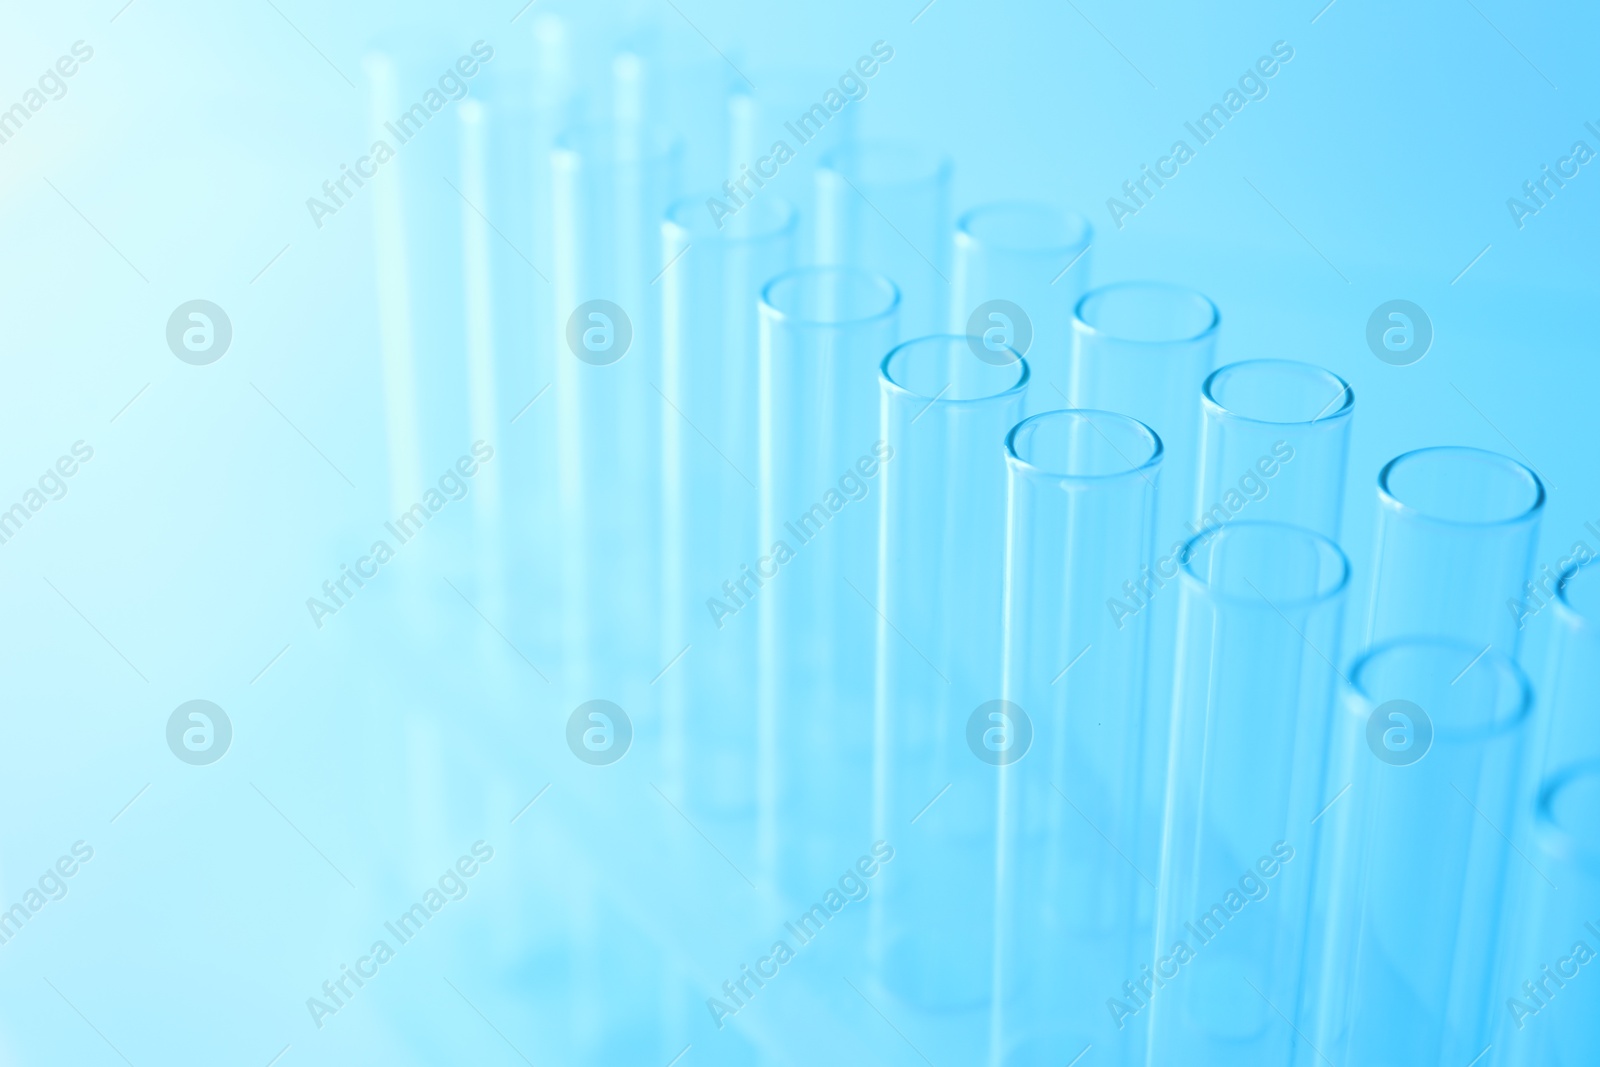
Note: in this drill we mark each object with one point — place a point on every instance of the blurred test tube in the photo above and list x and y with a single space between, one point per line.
1262 607
1019 270
710 502
823 333
1075 861
946 406
612 184
885 206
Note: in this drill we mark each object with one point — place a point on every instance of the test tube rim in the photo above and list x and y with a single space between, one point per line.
1565 608
1082 326
1072 219
789 221
1205 588
1505 726
1032 470
1389 501
1552 836
773 313
887 381
1212 404
940 172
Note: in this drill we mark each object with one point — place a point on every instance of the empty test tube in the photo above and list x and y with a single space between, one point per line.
1423 787
945 413
1274 441
1076 852
1571 690
823 333
1034 258
1261 615
1457 528
885 205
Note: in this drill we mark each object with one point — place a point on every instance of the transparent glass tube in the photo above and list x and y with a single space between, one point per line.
1262 607
1076 855
1457 528
1550 1015
1274 442
1572 672
611 184
1423 791
823 332
1035 258
945 414
709 498
885 206
1145 348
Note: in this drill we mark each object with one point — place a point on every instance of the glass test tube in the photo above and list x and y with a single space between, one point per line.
823 332
612 184
1423 788
885 205
708 475
1035 258
1457 528
1572 673
1550 1012
1274 441
1262 607
945 413
1076 855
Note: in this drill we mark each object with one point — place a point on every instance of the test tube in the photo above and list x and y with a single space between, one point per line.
1457 528
708 473
1076 854
1274 440
1146 348
823 332
1422 791
1572 671
1550 1011
1018 272
885 205
1262 608
612 184
945 413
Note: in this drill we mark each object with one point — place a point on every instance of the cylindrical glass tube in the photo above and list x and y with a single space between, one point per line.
1018 272
1550 1016
885 206
1274 440
612 184
709 498
823 332
1457 528
1572 672
1076 854
945 414
1145 349
1423 789
1262 608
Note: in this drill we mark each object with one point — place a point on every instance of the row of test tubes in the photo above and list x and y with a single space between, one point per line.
889 526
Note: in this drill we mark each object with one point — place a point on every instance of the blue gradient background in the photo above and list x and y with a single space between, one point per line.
1389 145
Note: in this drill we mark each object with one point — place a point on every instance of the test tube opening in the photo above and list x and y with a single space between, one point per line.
1272 566
947 369
1461 486
1567 817
1147 313
1578 597
829 297
758 220
1278 391
1083 445
1472 696
1025 228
